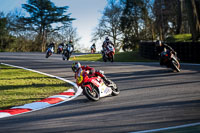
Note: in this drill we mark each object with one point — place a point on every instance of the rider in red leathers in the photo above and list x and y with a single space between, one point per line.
77 68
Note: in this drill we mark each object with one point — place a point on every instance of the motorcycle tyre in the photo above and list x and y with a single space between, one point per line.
87 93
47 55
112 58
104 58
115 90
67 56
175 65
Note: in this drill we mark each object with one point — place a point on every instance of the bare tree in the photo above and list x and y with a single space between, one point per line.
109 24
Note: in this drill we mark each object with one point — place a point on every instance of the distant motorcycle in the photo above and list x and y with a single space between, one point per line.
93 49
94 87
49 52
67 52
170 60
60 49
109 54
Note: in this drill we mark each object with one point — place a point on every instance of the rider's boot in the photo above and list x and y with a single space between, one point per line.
106 80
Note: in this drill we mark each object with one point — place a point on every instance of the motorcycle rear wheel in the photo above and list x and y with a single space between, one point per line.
115 91
91 95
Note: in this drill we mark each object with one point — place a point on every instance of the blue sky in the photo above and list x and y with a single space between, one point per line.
86 12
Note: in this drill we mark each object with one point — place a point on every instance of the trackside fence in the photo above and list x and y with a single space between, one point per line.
186 51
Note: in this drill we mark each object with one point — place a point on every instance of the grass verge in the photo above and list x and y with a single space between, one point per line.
18 86
180 38
119 57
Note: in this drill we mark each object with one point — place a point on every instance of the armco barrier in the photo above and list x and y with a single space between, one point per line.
186 51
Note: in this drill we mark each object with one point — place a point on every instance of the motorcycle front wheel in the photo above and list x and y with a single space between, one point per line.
68 55
92 95
175 65
112 58
47 55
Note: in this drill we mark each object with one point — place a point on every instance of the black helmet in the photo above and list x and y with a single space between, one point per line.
158 43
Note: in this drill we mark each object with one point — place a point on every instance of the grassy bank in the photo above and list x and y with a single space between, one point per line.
180 38
18 86
119 57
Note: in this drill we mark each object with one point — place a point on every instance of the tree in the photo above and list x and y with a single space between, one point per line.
193 13
65 34
135 22
3 31
109 24
43 13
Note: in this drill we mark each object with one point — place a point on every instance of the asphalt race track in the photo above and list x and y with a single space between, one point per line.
151 97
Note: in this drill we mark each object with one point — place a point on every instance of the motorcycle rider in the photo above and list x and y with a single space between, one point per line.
160 47
77 69
93 47
51 46
61 45
105 44
67 45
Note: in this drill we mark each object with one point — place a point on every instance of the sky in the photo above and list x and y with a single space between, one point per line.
86 12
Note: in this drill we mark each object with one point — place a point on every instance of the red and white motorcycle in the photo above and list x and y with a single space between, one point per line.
94 87
109 53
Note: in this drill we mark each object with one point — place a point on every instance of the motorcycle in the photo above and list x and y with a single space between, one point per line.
49 52
170 60
93 49
60 49
94 87
109 54
67 52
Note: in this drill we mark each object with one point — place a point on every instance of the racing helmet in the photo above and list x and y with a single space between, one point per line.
158 43
107 39
76 66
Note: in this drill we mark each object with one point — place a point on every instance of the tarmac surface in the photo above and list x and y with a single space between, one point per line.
151 97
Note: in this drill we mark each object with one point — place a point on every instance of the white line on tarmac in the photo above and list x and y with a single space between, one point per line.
168 128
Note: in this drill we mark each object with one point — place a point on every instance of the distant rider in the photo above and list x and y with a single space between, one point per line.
60 47
105 44
77 69
51 46
160 47
93 48
68 45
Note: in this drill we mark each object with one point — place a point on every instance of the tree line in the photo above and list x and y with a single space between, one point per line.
127 22
44 23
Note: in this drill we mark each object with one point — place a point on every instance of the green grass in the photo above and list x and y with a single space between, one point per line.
193 129
18 86
88 57
180 38
119 57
